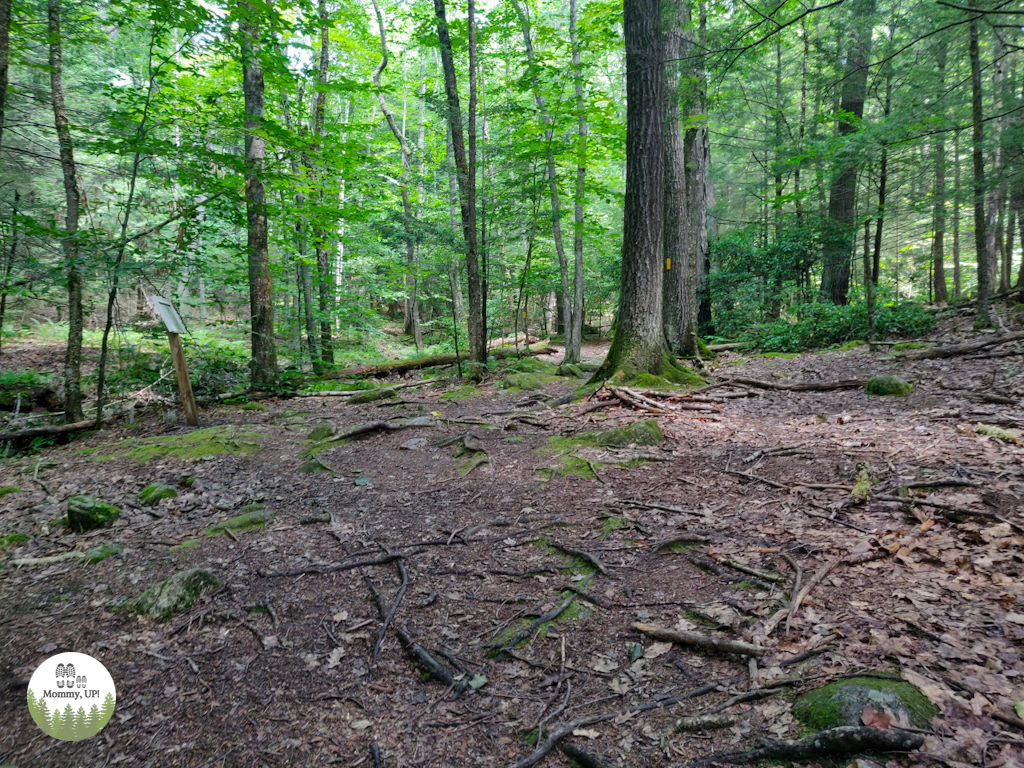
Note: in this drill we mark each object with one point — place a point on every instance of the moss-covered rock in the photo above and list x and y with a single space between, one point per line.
151 494
253 516
173 595
862 482
193 445
533 365
464 392
646 432
373 395
321 432
569 369
892 386
86 513
844 701
102 552
522 381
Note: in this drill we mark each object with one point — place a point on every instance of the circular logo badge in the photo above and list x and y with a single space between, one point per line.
71 696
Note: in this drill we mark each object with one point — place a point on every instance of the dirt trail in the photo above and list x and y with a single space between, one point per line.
232 683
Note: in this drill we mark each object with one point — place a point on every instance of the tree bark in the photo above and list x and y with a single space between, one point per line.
956 214
993 227
978 146
939 193
323 260
838 237
467 191
5 36
565 299
263 371
679 287
574 331
639 343
883 178
69 238
411 303
699 189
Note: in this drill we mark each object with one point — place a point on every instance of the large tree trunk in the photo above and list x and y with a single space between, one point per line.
939 193
993 226
69 238
837 247
325 274
412 322
5 35
467 191
679 288
574 331
978 146
565 299
956 214
263 371
639 343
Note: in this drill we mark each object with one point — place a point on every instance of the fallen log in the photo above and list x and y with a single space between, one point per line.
696 640
843 740
510 340
415 363
803 386
54 429
955 350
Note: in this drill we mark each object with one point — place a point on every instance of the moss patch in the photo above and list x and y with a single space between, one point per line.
783 355
190 446
521 381
851 345
12 540
843 702
862 482
151 494
189 544
102 552
464 392
611 525
86 513
889 386
254 406
6 490
173 595
571 370
532 365
321 432
646 432
1003 435
373 395
253 516
908 345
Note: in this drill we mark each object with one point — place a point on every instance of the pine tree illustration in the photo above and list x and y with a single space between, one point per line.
108 710
82 724
94 720
42 716
56 723
68 731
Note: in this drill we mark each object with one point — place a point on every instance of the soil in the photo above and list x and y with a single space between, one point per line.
277 670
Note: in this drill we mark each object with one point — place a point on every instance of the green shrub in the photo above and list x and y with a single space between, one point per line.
826 325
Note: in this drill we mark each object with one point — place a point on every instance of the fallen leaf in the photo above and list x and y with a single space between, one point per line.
340 616
271 641
874 719
477 681
361 725
588 734
334 657
657 649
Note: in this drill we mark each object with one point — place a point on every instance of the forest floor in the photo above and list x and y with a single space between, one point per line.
276 670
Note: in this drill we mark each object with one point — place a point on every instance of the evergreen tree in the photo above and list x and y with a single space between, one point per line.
95 720
56 723
68 723
107 712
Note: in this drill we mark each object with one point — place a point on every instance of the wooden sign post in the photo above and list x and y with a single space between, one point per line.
175 327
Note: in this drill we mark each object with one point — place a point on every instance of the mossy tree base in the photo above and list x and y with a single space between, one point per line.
636 364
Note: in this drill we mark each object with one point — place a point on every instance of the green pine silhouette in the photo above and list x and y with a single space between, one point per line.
81 724
56 723
68 731
94 720
107 712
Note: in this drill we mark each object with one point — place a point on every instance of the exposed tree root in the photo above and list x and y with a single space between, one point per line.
803 386
844 740
329 568
954 350
592 559
586 759
544 618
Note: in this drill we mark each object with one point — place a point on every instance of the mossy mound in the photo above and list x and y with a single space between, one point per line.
521 381
1003 435
373 395
102 552
889 386
321 432
151 494
646 432
194 445
173 595
254 406
843 702
851 345
8 489
464 392
862 482
533 365
570 369
783 355
12 540
187 544
86 513
253 516
904 345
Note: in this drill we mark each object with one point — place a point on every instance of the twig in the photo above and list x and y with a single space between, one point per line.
544 618
592 559
697 640
394 609
685 538
798 576
389 558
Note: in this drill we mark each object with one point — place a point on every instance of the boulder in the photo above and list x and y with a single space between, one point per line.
889 386
86 513
844 701
646 432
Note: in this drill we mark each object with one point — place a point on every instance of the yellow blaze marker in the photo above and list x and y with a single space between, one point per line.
668 263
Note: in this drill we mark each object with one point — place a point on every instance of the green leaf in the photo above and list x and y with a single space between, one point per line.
479 681
1019 709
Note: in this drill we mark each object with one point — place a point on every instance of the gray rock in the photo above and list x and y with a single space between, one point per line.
415 444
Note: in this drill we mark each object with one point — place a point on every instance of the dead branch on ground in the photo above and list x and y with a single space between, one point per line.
843 740
696 640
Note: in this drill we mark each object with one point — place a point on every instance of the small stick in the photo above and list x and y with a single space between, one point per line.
697 640
544 618
394 609
592 559
686 538
586 759
818 576
702 723
798 576
751 571
389 558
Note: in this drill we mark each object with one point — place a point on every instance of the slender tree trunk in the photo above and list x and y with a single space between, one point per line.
1011 233
5 36
565 298
411 303
679 279
838 240
699 188
261 300
467 189
883 179
939 193
639 343
978 145
956 214
10 256
69 238
802 129
574 331
994 225
325 274
454 278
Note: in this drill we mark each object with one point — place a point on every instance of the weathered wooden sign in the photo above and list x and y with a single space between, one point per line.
175 327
